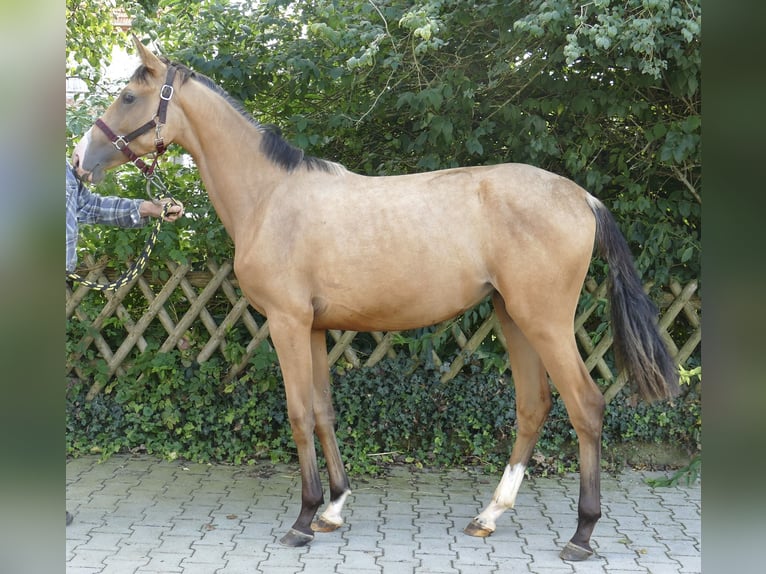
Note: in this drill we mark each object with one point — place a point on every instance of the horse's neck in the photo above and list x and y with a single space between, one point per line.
225 147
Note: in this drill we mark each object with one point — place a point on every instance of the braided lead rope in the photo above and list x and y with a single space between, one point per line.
138 266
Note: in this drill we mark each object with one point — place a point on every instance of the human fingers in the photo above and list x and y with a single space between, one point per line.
172 211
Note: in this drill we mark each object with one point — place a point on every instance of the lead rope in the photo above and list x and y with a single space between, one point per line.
138 266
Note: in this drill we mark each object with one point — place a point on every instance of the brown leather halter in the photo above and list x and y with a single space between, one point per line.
121 142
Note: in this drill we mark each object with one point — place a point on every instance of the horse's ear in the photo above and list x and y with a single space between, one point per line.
148 59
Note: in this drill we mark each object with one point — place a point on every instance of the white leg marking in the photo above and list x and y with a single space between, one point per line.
332 514
505 496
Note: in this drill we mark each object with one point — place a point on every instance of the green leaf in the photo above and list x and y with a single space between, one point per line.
474 147
687 254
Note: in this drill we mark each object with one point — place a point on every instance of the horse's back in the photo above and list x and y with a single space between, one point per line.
510 190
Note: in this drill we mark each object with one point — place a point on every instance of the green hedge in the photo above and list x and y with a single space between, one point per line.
391 413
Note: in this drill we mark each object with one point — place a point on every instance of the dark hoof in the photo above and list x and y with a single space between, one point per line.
474 528
294 538
575 553
69 518
322 525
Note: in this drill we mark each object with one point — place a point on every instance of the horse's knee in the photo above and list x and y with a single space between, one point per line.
302 423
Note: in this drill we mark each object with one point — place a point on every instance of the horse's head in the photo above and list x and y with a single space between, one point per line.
134 124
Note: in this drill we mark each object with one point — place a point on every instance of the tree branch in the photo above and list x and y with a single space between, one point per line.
679 174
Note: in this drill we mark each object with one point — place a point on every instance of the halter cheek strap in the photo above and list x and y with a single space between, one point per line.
157 122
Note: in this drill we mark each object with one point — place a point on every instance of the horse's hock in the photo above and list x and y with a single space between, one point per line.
210 303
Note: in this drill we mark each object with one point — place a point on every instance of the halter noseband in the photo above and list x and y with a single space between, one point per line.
121 142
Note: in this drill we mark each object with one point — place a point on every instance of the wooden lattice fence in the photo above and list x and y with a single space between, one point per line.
203 312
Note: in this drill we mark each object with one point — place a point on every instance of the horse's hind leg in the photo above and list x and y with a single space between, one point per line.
533 402
585 405
324 416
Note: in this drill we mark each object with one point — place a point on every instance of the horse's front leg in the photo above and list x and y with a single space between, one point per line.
324 415
292 340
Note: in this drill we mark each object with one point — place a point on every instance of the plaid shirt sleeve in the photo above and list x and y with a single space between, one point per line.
83 206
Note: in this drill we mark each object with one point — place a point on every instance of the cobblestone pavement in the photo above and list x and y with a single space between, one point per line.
142 515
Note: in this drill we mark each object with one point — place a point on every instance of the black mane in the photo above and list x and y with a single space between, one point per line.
283 153
273 145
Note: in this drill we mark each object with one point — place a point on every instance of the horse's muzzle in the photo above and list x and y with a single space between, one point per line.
92 175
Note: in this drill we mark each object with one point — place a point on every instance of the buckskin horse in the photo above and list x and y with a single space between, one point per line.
318 247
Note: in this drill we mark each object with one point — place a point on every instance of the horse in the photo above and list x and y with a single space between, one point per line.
319 247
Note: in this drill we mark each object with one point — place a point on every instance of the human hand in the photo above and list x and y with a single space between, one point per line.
152 209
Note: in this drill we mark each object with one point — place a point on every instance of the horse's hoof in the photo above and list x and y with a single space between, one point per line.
323 525
295 538
477 529
575 553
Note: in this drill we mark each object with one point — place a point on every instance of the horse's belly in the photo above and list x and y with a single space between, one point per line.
387 308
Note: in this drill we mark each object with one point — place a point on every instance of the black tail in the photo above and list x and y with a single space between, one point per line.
638 345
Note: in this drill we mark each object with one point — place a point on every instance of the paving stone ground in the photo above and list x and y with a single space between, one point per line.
142 515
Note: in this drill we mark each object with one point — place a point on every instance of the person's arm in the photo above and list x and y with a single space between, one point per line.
83 206
121 211
108 210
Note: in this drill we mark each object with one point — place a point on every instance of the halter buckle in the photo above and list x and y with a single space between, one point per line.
166 92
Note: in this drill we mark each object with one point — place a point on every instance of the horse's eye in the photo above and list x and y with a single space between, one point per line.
128 98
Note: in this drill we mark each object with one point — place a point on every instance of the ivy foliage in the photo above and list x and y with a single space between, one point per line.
390 413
